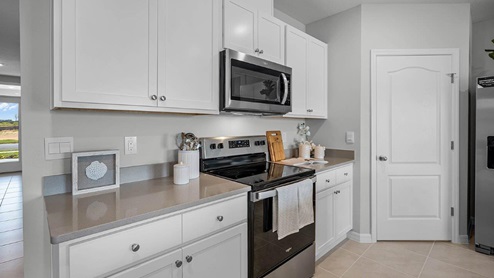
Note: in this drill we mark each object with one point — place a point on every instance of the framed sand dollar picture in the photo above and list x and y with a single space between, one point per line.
95 171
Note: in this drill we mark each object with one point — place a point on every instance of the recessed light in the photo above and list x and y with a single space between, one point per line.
1 65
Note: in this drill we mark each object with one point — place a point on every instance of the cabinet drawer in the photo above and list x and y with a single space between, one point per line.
325 180
206 220
107 253
344 174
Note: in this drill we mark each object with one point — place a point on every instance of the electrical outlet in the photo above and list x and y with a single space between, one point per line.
350 137
285 140
130 145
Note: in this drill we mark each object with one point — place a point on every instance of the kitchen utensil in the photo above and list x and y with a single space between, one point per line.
275 145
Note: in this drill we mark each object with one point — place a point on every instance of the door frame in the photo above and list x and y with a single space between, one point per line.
455 124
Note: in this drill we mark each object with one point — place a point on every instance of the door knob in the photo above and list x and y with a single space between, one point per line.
383 158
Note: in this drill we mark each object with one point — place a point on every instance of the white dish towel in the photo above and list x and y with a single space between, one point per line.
285 210
305 204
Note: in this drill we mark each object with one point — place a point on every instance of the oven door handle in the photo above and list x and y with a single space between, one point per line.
285 81
259 196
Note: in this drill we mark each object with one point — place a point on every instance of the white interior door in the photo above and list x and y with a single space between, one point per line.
413 146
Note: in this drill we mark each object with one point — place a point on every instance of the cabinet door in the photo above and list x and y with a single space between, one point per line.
317 92
223 255
166 266
240 26
271 38
343 208
188 54
105 53
324 221
296 58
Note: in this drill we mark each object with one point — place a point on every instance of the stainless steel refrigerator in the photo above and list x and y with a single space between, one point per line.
484 166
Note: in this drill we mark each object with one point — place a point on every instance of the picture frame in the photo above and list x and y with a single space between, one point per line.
95 171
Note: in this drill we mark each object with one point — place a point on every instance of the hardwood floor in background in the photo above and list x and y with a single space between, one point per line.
11 241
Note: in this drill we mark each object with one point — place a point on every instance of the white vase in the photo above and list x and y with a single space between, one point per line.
191 158
304 151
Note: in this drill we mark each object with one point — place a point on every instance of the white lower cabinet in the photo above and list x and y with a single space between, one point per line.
164 247
166 266
223 255
333 208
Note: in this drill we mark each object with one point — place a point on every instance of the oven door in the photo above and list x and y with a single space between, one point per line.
266 252
251 84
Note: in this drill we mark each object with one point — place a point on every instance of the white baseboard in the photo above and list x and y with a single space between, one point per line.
362 238
463 239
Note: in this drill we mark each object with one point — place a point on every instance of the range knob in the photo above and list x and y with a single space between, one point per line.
212 146
257 143
220 146
263 143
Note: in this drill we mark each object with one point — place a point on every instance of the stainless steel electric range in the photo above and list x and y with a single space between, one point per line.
244 160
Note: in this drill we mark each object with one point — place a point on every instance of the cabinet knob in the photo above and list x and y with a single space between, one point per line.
220 218
345 174
383 158
261 51
328 180
154 97
178 263
162 98
257 50
310 110
135 247
188 259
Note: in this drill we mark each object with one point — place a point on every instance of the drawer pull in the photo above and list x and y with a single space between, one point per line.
188 259
328 180
135 247
178 264
220 218
346 174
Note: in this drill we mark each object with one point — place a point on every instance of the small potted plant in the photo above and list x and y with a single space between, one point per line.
305 146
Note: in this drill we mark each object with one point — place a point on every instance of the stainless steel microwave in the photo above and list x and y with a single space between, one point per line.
252 85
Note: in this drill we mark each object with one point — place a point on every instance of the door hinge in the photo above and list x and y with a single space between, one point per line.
452 145
452 211
452 75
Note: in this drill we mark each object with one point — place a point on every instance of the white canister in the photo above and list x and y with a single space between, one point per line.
319 152
180 173
191 159
304 151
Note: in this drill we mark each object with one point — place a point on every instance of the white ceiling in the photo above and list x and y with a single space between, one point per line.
308 11
9 38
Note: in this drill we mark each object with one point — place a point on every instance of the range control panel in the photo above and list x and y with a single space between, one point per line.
214 147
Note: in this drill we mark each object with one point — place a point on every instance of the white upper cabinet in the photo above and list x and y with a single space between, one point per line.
105 51
154 55
250 30
188 54
307 57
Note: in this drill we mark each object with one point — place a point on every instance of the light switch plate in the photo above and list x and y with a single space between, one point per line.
59 147
350 137
130 145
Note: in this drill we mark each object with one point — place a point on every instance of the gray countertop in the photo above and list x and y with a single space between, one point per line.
335 159
71 217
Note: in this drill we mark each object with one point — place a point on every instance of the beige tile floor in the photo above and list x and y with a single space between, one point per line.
11 242
405 259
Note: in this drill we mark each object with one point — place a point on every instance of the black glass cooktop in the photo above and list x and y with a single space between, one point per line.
263 175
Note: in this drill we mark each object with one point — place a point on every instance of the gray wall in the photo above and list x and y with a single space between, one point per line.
342 33
385 26
93 130
289 20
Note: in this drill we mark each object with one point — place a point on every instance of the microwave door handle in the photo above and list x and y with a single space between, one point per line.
285 81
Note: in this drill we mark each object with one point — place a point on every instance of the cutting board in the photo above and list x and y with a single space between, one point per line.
275 145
